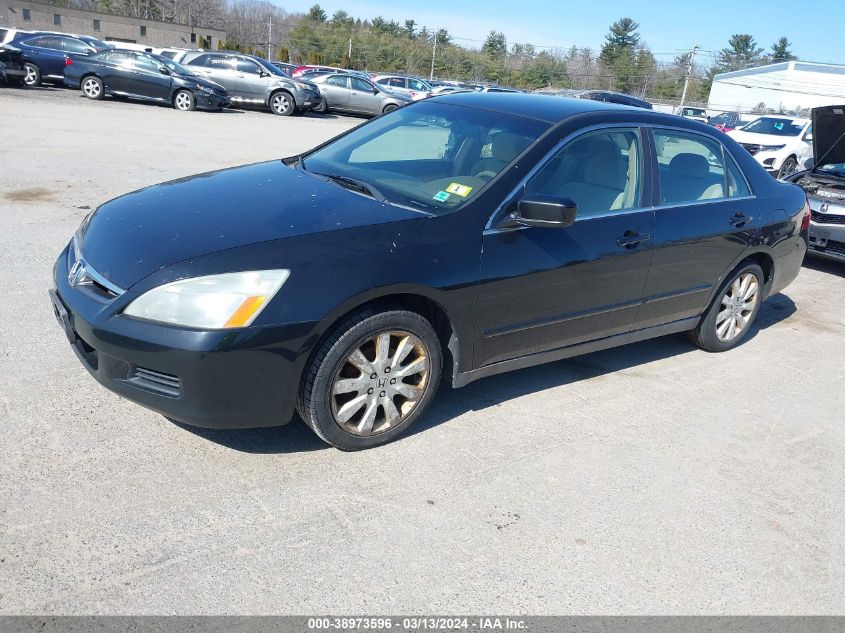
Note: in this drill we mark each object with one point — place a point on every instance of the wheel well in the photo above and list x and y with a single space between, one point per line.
432 311
86 75
765 261
277 91
389 106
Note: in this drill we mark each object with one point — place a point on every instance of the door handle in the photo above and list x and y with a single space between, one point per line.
739 219
632 239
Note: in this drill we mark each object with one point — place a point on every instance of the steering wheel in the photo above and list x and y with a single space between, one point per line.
486 174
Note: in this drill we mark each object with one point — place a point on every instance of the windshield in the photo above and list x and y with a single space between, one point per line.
430 156
693 112
98 45
836 169
775 127
270 68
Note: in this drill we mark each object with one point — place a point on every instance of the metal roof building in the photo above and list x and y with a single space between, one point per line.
785 86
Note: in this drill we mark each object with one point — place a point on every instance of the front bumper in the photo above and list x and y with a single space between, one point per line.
306 99
214 101
827 228
215 379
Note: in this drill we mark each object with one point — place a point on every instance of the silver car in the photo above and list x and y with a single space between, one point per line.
416 88
345 92
253 80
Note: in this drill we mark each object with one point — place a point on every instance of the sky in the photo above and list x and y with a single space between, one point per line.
669 28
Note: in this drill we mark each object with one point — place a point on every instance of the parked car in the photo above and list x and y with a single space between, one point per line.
695 114
8 34
44 54
285 68
143 76
496 89
415 88
345 92
614 97
442 90
824 183
299 70
779 143
12 72
253 80
468 234
727 121
176 54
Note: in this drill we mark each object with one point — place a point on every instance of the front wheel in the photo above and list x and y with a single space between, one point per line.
33 75
789 166
371 379
282 103
389 108
92 87
322 107
730 316
185 101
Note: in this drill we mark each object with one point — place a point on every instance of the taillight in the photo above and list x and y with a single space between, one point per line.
805 221
68 61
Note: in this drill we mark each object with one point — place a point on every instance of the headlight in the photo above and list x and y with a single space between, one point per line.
230 300
771 148
301 86
205 89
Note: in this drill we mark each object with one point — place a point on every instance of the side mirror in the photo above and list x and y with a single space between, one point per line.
809 163
375 91
808 137
543 211
263 73
163 70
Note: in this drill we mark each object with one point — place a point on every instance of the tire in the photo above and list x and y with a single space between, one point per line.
361 416
185 101
33 75
389 108
713 334
282 103
322 107
92 87
788 167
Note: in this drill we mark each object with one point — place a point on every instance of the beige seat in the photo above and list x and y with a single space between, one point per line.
688 179
504 148
602 184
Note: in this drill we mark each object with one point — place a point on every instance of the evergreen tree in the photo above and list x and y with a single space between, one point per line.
742 52
317 14
623 38
781 51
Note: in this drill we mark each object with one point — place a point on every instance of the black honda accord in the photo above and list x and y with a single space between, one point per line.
461 236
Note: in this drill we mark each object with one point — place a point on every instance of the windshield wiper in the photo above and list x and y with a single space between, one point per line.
355 185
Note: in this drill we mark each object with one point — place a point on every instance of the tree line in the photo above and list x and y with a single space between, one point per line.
623 63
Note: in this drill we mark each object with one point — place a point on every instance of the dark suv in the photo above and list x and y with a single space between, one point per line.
45 54
254 80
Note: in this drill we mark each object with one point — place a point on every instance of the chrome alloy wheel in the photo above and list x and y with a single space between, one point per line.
31 76
738 304
380 383
91 88
183 101
280 103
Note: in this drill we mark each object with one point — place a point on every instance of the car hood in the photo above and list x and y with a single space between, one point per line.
202 81
761 139
828 136
131 237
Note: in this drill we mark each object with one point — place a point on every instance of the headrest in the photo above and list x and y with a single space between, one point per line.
604 166
689 165
506 145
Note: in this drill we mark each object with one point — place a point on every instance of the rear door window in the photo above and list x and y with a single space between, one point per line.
339 82
362 85
690 167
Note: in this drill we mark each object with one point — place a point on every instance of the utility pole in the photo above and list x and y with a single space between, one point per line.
686 80
270 39
433 54
349 53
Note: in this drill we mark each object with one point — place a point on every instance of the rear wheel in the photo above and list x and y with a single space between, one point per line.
92 87
731 315
185 101
33 74
371 379
788 167
282 103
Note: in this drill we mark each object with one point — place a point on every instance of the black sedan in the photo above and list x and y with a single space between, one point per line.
144 76
464 235
12 72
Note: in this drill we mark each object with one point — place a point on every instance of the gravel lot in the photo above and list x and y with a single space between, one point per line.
654 478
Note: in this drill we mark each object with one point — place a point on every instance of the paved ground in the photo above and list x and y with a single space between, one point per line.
650 479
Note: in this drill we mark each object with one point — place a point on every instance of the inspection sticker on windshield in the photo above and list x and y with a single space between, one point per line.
442 196
779 125
459 190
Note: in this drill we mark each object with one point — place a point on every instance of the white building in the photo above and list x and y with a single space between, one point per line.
785 86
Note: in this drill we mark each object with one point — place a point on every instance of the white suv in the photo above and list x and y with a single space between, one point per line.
781 144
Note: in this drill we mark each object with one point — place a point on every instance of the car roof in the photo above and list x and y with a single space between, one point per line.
549 108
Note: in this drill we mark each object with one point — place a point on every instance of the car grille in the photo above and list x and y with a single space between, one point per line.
751 148
155 381
825 218
831 248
